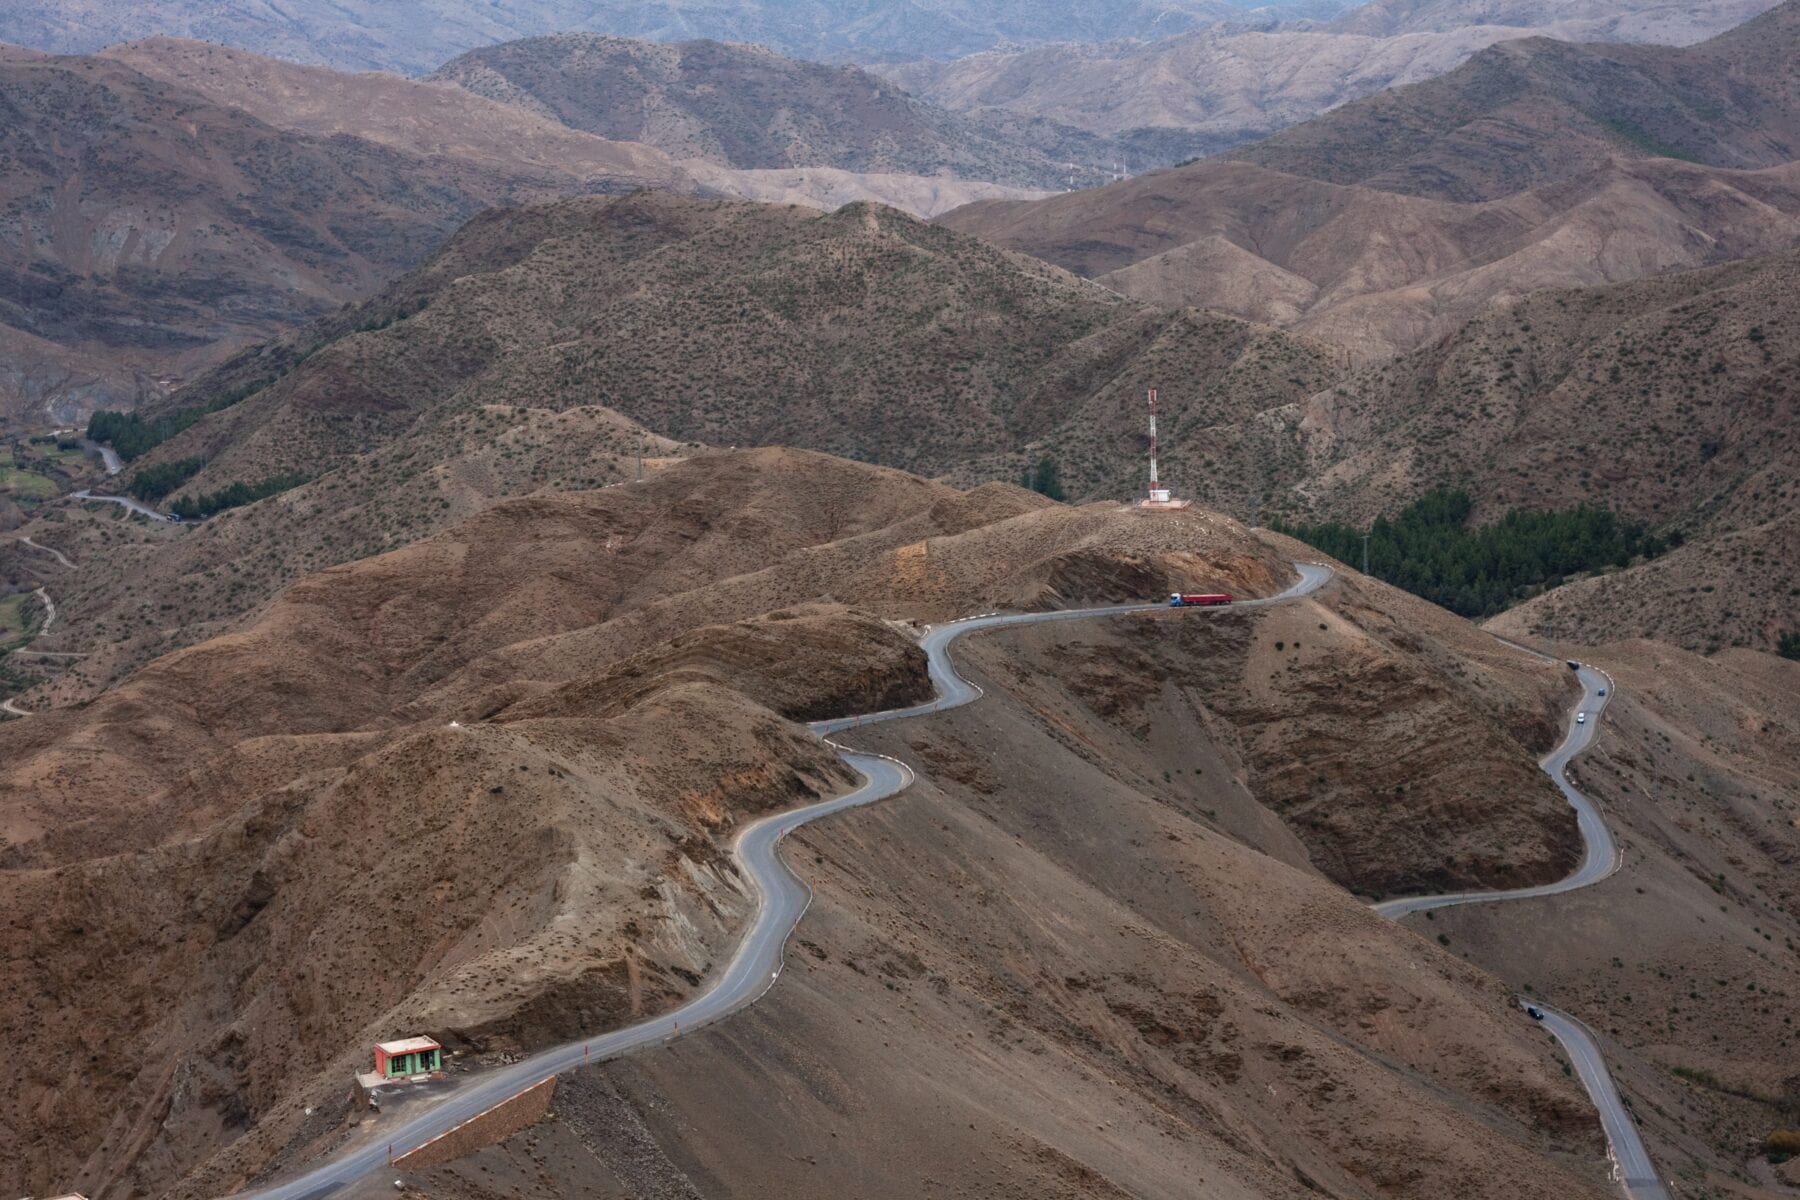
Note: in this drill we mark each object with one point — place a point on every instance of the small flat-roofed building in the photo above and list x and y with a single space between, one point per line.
408 1058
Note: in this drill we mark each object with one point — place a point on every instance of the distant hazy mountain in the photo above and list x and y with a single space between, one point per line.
1208 90
416 35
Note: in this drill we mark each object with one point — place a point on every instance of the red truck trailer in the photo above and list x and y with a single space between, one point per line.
1198 599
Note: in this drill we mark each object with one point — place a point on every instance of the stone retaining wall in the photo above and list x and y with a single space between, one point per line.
486 1129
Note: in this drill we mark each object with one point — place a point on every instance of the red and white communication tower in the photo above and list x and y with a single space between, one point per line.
1157 498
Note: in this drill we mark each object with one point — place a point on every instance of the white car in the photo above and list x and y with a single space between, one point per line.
1581 718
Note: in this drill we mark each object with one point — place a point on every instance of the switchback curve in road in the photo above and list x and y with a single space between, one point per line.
1634 1170
1600 855
782 898
134 505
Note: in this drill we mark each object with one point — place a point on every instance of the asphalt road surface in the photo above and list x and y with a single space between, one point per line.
127 501
1631 1161
782 898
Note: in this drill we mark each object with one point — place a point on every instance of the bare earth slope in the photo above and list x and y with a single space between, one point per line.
169 201
1669 400
1380 273
262 769
547 347
1684 961
559 157
863 331
1535 111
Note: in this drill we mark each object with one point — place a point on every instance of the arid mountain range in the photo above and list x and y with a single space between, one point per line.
505 761
585 114
146 225
1392 220
1199 93
253 195
454 123
587 474
618 664
1533 112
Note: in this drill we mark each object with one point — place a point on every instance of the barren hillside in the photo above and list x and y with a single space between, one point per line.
749 107
262 769
555 157
1668 400
549 347
1685 960
226 197
364 34
523 742
1538 110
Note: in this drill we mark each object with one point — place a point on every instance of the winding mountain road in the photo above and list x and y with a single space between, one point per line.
1600 857
1633 1168
782 898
